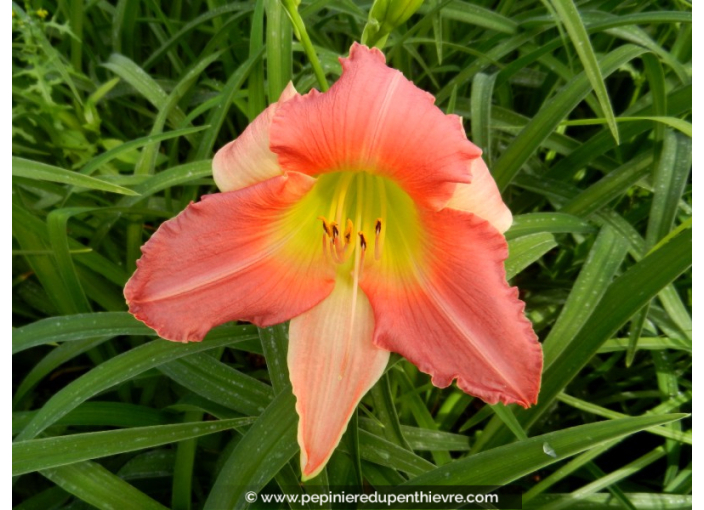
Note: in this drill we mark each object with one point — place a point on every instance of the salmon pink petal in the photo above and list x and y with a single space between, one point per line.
452 314
373 119
247 159
333 363
233 256
482 197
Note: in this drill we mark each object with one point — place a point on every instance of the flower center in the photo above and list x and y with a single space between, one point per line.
365 218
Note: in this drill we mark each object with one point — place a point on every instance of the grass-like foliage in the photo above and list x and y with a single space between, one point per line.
583 110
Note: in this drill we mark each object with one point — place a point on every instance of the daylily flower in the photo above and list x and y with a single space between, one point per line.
365 216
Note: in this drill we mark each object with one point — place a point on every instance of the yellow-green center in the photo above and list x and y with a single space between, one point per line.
358 218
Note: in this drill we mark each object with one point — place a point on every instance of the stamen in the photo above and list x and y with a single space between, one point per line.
326 226
358 199
359 263
348 232
336 250
378 240
325 246
362 241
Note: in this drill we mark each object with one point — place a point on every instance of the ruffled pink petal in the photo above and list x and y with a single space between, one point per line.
452 313
247 159
482 197
333 363
229 257
373 119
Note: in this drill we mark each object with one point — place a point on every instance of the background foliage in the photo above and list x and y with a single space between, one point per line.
117 110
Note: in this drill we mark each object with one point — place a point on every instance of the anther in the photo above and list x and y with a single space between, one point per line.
378 240
362 240
335 230
326 226
348 232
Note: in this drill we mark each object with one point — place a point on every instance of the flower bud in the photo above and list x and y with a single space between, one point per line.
385 16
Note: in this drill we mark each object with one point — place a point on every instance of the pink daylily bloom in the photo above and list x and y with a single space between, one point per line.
365 216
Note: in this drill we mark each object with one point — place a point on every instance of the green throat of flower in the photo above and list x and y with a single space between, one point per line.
362 219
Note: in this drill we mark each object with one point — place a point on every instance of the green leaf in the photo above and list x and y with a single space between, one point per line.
422 439
192 24
606 481
669 182
482 92
411 399
45 268
506 415
525 250
107 156
29 169
679 101
28 225
184 463
648 343
472 14
553 222
549 117
118 369
53 360
490 467
97 486
262 452
569 15
70 328
152 464
101 414
274 341
605 501
385 412
607 413
216 117
620 302
38 454
143 83
57 221
605 258
212 379
278 48
680 124
610 187
378 450
257 101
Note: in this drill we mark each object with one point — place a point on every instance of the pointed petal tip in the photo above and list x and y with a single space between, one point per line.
288 93
247 159
310 471
332 363
527 397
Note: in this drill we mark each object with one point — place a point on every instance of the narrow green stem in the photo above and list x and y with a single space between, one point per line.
300 29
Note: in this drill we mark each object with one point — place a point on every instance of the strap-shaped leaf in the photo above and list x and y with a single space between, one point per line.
491 468
38 454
